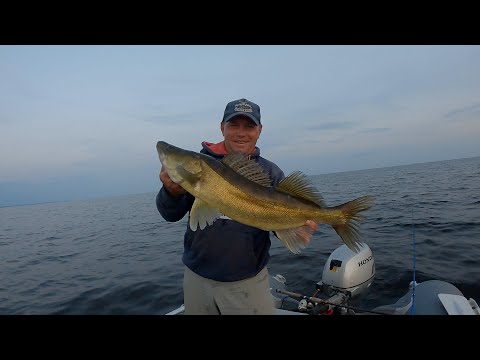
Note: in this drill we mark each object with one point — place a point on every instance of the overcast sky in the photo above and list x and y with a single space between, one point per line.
83 121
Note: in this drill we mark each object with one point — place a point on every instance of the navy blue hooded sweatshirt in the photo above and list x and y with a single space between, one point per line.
225 250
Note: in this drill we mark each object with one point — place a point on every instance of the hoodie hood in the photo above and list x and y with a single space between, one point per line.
219 149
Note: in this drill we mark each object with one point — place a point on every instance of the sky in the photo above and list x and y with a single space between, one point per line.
80 122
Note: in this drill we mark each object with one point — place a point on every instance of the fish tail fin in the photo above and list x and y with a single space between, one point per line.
349 231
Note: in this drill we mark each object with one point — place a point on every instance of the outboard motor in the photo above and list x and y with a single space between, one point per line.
346 277
348 272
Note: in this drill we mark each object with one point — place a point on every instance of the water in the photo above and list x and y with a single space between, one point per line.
118 256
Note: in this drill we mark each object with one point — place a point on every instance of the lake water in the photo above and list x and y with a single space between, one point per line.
119 256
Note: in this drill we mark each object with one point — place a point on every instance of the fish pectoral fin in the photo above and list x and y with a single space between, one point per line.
202 215
295 239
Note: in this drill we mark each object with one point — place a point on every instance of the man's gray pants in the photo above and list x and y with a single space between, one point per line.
251 296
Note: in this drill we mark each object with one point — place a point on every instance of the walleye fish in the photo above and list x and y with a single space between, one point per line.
240 189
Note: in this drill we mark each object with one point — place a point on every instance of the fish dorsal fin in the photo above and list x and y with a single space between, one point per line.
248 168
297 184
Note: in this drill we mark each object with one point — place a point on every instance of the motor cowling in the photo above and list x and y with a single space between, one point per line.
347 271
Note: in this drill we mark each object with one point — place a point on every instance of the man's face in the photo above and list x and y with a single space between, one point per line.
241 134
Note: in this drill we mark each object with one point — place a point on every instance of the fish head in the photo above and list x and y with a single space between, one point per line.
183 166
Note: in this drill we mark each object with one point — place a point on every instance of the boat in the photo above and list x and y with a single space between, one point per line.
346 279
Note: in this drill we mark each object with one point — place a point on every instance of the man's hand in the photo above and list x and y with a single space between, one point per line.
173 189
306 235
312 225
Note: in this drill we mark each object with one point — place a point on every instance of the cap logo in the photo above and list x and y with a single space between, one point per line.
243 107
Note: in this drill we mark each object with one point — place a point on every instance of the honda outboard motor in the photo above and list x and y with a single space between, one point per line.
348 272
346 276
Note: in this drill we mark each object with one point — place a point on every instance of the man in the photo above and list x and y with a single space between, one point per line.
225 263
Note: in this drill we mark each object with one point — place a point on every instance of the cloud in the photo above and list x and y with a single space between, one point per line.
375 130
464 114
332 126
185 118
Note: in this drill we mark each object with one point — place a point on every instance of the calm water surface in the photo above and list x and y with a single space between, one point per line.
118 256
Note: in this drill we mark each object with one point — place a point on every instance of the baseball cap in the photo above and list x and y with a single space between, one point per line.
242 107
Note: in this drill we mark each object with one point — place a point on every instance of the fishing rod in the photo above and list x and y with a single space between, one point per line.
414 261
322 301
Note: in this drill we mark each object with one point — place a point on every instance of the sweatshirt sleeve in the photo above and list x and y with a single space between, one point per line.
276 174
173 208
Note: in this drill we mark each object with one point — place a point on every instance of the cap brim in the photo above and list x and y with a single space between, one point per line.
253 118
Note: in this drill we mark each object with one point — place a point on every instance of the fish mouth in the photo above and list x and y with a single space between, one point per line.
162 146
163 150
180 164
